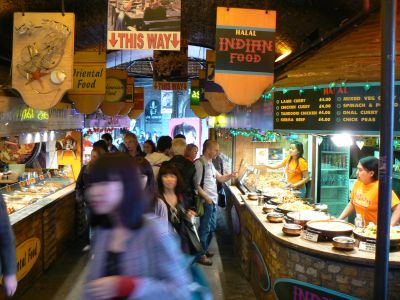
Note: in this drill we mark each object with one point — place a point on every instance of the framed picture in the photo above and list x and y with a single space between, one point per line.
261 156
275 155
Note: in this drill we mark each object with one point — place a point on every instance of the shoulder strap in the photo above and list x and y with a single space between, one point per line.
204 170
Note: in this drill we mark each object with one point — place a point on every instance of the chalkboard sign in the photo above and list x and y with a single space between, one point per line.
353 109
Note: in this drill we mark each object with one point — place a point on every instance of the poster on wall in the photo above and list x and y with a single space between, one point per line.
170 69
166 102
152 111
245 52
261 156
275 155
144 24
189 127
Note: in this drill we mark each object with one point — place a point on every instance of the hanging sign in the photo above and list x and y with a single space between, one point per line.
195 100
332 109
145 24
89 81
214 92
42 62
138 104
286 288
114 101
130 86
170 71
204 103
245 52
153 111
27 254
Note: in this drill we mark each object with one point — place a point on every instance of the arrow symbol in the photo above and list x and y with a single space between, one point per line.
175 42
113 41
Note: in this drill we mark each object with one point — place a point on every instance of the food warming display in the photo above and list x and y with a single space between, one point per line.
32 190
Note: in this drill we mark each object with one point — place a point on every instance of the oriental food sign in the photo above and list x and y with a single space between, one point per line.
27 255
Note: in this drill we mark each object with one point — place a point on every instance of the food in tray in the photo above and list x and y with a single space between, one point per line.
331 225
308 215
295 206
12 152
10 210
370 232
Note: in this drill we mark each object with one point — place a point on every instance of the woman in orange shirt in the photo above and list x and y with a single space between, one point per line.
296 168
364 196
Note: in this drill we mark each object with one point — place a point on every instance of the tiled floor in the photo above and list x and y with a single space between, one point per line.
64 280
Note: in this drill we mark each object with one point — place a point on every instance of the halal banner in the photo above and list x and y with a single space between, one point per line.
245 52
145 24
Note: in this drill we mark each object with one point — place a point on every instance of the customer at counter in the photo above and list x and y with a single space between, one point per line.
296 168
364 196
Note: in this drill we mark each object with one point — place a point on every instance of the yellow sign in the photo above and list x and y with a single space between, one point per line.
89 79
27 254
115 90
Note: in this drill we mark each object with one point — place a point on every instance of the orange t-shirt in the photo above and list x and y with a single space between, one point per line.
365 200
294 170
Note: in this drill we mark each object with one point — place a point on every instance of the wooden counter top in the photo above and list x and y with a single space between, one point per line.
32 208
321 249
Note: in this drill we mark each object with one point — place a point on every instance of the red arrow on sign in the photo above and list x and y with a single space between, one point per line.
175 41
113 41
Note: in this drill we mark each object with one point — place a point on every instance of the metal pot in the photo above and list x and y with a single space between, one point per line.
292 229
344 243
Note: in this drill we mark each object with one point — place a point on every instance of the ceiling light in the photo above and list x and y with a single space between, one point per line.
342 140
284 54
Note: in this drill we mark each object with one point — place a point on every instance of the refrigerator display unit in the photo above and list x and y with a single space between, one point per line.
333 176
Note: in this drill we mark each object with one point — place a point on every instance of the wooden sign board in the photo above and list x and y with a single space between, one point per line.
43 55
27 254
129 96
89 81
214 93
245 52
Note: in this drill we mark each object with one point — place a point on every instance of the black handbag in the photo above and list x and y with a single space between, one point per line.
190 237
221 198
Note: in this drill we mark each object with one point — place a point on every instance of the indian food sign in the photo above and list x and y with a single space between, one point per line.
146 24
27 255
245 52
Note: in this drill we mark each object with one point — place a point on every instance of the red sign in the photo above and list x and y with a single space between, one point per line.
120 40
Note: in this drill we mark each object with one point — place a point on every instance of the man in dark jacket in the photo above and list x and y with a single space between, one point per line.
185 167
7 252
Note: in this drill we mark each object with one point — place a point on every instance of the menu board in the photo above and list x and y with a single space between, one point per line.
353 109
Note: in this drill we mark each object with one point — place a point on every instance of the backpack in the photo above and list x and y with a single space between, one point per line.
198 202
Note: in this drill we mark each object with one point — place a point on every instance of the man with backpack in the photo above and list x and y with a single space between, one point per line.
206 181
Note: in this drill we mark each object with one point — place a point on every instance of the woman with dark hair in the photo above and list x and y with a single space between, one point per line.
81 184
296 168
133 257
149 147
364 195
157 206
171 190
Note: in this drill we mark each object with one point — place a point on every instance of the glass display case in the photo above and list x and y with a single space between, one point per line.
333 179
35 186
255 179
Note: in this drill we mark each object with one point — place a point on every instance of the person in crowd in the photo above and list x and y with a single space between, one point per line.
219 166
133 256
7 252
82 183
132 145
149 147
171 191
296 168
191 152
162 154
180 136
364 195
101 144
157 206
206 181
185 167
109 141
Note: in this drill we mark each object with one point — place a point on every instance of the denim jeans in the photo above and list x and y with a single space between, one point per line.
208 223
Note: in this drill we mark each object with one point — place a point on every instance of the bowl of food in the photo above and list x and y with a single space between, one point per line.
292 229
252 196
344 243
275 217
268 208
